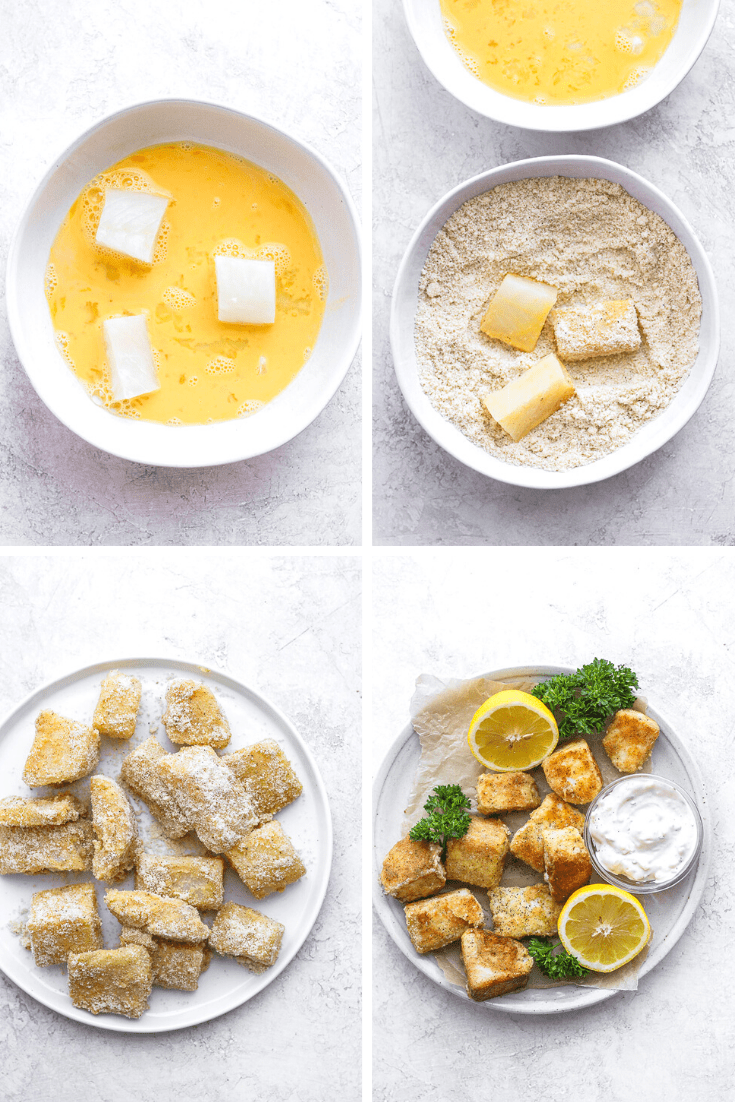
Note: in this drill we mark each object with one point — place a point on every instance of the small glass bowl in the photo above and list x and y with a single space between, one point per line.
643 887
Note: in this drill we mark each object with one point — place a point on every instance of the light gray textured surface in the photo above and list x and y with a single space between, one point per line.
62 69
668 614
425 143
290 627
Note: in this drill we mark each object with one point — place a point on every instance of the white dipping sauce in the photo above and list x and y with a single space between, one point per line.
643 829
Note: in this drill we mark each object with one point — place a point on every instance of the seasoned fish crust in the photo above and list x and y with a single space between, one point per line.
527 842
524 912
495 965
436 922
413 870
573 773
629 739
566 861
513 791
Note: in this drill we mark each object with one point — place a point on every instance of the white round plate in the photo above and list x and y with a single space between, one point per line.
307 821
655 432
670 912
426 24
335 220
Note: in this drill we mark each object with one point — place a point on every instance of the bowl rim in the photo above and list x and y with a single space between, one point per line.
351 342
643 887
455 443
562 118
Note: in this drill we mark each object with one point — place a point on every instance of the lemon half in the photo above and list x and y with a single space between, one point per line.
603 927
512 730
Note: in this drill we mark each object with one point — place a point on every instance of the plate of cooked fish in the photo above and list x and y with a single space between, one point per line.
165 844
541 836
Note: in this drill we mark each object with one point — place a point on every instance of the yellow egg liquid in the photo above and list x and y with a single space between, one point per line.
561 51
208 370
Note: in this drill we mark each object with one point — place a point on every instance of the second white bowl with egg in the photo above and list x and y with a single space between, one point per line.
426 24
655 432
333 215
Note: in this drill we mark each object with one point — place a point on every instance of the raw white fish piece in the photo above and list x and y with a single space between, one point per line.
130 357
246 290
130 222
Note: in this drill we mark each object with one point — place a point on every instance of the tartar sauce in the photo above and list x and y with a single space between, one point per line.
643 829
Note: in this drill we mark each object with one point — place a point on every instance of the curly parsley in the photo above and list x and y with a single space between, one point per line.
554 961
447 817
582 701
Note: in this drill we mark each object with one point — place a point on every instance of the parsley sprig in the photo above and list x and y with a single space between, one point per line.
554 961
582 701
446 818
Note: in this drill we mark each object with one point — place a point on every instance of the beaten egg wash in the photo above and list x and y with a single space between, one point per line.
560 51
220 205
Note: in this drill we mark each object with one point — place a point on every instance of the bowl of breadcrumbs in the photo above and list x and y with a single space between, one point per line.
618 296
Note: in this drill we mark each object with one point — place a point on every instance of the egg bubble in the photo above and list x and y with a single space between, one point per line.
221 365
248 408
320 279
178 299
50 280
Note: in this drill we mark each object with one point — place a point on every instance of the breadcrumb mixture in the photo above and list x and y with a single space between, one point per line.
592 241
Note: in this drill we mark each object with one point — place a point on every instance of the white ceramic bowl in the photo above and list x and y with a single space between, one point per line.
426 25
405 300
334 218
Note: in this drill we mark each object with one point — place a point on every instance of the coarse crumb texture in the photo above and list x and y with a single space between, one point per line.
249 936
116 844
196 880
111 981
412 870
208 795
117 707
62 921
524 912
267 774
177 965
161 917
129 935
31 850
63 751
139 771
592 241
438 921
266 860
193 717
29 811
527 844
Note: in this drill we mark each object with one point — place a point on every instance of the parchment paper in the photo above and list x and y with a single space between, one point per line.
441 714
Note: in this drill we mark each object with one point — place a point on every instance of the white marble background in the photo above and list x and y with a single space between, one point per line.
669 615
289 627
426 142
64 67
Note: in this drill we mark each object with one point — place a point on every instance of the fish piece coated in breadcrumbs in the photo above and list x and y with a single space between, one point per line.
494 965
527 843
513 791
413 870
479 857
566 860
573 773
629 739
436 922
524 912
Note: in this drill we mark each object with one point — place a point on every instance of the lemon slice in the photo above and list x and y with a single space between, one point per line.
603 927
512 730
